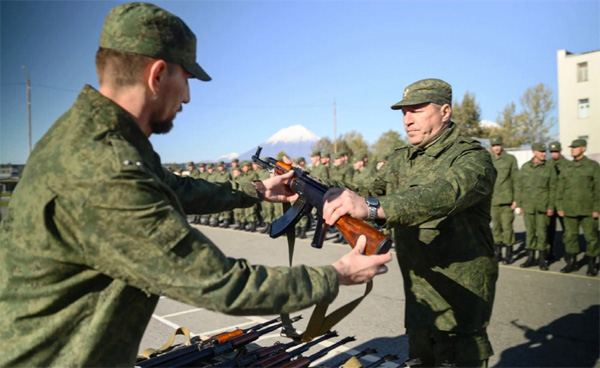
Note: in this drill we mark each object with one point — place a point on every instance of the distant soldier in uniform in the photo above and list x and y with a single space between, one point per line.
239 214
536 193
361 172
436 194
326 166
250 213
192 170
559 163
202 173
267 209
503 200
96 230
221 175
579 205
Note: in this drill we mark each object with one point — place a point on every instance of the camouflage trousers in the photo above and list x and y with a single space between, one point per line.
502 224
589 226
442 348
536 225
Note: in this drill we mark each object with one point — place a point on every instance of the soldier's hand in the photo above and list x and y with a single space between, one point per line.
338 202
275 189
561 213
357 268
595 214
550 213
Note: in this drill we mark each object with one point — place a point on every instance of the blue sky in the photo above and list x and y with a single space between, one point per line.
280 63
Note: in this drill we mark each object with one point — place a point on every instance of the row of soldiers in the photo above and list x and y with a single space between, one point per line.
545 191
263 214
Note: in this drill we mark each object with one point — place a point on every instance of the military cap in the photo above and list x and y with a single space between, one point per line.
221 163
210 166
362 156
326 155
554 147
339 155
190 163
426 90
202 164
496 140
541 147
235 160
315 153
148 30
246 163
578 143
300 159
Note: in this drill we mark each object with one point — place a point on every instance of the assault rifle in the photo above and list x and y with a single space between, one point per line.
281 358
304 362
255 355
200 345
311 194
194 359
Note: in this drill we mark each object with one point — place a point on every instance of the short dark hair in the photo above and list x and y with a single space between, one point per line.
124 68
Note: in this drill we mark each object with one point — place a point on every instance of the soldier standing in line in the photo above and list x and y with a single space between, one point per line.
503 200
326 166
536 193
221 175
202 173
361 172
250 213
267 210
559 163
579 205
239 214
210 177
192 170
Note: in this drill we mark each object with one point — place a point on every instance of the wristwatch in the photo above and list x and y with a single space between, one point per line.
373 204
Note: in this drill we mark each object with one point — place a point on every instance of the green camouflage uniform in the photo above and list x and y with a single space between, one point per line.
536 192
504 195
438 201
96 232
221 177
559 165
578 196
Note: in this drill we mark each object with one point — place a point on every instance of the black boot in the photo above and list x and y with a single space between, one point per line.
238 225
530 259
592 267
498 251
225 224
508 259
251 226
267 228
571 263
213 222
302 234
542 261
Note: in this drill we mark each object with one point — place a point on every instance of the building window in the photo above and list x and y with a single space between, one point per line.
583 108
582 72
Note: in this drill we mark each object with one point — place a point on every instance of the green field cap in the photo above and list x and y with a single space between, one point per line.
315 153
496 140
541 147
201 164
190 163
148 30
554 147
424 91
578 143
235 160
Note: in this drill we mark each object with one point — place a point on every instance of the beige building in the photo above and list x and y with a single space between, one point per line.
579 100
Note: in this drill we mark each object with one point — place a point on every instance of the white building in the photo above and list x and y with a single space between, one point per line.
579 100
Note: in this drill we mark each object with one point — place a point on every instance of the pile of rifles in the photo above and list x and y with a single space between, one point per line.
232 349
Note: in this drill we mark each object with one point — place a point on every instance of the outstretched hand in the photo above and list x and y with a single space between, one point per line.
357 268
275 189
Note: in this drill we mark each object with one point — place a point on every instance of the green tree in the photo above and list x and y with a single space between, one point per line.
324 145
537 103
387 142
356 143
510 125
467 115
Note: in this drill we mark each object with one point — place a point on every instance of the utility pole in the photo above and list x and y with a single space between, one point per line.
334 128
28 109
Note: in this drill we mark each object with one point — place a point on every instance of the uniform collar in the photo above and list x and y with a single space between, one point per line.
440 145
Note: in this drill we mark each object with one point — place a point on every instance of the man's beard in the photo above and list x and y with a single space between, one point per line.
161 127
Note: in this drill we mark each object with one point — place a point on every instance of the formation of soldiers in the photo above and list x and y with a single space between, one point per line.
544 191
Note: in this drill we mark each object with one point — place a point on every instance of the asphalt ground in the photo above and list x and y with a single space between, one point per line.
540 318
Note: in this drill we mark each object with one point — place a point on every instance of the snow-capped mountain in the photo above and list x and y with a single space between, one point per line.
295 140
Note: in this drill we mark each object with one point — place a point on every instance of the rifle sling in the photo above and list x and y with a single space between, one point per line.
147 353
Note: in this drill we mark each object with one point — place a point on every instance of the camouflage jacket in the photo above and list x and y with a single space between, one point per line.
536 187
97 230
578 191
320 172
438 202
504 187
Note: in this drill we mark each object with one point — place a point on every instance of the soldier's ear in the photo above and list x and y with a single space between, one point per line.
446 112
156 72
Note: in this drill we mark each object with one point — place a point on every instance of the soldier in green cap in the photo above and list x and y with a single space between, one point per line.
559 163
503 200
436 196
579 205
536 192
97 232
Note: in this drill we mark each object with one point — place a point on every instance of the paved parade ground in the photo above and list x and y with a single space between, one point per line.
540 318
